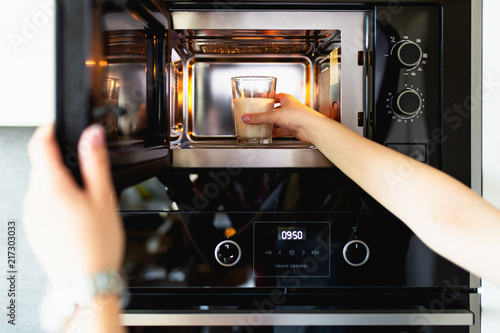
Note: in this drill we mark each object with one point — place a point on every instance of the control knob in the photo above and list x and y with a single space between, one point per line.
407 103
356 253
408 53
227 253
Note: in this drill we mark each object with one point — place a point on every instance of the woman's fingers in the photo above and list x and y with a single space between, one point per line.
46 159
94 162
283 98
270 117
280 132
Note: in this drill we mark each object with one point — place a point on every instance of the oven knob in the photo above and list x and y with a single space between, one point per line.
409 54
407 103
356 253
228 253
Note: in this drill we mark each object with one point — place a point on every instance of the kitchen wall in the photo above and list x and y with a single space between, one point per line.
27 63
30 279
491 143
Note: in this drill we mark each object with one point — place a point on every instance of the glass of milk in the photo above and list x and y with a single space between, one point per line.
252 94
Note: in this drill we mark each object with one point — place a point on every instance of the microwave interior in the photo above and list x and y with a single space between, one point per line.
306 51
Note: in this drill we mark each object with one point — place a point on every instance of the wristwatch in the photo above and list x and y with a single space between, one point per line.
61 301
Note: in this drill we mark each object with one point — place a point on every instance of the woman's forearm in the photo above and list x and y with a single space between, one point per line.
444 213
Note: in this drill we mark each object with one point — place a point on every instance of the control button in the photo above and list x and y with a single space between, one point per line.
291 252
356 253
228 253
407 103
409 54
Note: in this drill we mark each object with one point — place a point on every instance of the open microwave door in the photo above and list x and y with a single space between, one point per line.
111 69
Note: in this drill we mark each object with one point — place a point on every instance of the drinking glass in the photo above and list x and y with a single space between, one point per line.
252 94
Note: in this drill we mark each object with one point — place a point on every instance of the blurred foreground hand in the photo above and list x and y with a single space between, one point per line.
73 231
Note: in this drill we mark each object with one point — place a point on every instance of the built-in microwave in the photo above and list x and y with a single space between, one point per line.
223 236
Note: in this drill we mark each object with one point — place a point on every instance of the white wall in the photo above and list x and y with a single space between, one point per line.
491 143
27 62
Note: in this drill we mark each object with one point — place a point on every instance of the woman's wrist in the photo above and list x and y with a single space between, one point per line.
316 129
90 293
100 315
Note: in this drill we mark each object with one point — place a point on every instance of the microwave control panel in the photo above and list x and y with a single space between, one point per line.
295 249
407 77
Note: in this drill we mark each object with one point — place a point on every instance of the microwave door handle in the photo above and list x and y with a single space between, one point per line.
79 88
79 54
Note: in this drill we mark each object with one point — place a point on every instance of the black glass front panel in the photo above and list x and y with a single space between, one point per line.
407 76
268 230
173 252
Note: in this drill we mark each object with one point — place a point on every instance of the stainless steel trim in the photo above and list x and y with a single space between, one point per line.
476 106
338 318
267 20
124 21
476 95
474 281
475 308
233 156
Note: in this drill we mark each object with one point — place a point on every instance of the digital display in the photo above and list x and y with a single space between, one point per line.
281 249
291 233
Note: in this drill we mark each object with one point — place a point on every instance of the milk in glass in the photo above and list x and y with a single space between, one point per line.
252 133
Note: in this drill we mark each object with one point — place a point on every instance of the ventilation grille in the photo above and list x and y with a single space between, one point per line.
268 48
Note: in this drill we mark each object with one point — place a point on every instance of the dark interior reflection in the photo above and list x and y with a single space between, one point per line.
171 239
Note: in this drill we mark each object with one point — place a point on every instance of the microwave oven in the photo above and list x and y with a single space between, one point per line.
229 237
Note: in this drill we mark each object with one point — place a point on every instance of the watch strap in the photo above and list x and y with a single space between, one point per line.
104 283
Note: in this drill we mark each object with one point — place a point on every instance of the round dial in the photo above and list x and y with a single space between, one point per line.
356 253
409 53
227 253
407 103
